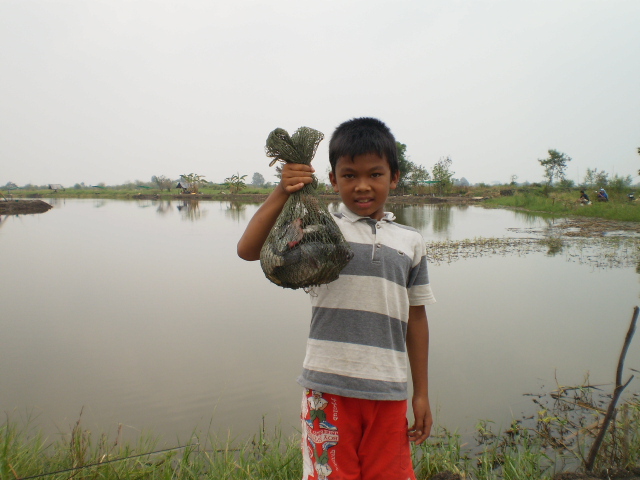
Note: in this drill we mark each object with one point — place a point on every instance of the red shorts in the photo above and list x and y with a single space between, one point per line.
347 438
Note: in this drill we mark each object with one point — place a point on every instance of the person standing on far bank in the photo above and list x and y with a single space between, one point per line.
365 324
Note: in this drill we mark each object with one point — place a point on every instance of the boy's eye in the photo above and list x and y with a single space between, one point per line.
376 175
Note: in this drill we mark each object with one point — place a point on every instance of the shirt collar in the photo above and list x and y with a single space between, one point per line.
353 217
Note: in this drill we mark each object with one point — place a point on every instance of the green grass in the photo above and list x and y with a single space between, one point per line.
24 453
619 208
555 440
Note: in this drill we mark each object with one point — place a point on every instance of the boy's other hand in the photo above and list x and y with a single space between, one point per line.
421 428
295 176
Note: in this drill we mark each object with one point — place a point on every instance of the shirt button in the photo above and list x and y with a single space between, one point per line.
378 225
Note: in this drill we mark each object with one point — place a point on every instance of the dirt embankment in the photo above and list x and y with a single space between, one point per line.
19 207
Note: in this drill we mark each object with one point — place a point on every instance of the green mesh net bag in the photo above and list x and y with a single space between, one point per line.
305 246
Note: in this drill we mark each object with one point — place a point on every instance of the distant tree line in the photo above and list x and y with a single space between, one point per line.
414 178
555 166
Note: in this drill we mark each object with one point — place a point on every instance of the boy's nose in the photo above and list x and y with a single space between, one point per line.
362 185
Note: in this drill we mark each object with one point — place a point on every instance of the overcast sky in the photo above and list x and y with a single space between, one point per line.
121 90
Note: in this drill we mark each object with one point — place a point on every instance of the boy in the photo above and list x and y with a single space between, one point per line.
355 402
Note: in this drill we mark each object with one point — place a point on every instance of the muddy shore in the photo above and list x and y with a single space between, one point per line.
19 207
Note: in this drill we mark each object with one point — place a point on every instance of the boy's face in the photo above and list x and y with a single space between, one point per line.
364 183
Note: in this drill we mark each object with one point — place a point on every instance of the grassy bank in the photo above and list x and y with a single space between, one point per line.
553 440
618 208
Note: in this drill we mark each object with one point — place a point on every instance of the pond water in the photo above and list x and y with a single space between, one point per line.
140 313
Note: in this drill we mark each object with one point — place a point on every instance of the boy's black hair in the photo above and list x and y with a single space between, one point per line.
360 136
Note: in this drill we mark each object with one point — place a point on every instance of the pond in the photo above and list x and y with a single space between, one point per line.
141 313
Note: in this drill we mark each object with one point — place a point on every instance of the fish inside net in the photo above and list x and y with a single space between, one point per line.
305 246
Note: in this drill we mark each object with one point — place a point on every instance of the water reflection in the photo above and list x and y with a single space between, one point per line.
56 201
420 217
236 211
533 218
99 203
163 207
441 218
190 210
407 215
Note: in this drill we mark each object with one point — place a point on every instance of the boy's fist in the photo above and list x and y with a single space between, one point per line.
295 176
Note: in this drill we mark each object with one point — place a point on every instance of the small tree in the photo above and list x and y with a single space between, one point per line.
590 177
567 183
442 173
554 165
194 181
235 182
417 176
162 182
257 180
404 165
619 183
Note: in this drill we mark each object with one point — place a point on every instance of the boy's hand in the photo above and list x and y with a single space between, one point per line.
295 176
421 428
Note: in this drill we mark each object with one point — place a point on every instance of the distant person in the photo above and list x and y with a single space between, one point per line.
602 195
584 198
363 324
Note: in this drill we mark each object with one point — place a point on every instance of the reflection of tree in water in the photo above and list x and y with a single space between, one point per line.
420 216
162 207
416 217
236 210
441 218
190 210
530 218
333 206
99 203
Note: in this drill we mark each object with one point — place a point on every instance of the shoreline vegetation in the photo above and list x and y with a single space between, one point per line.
554 443
557 202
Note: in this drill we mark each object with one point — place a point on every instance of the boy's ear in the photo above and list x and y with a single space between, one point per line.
332 179
395 178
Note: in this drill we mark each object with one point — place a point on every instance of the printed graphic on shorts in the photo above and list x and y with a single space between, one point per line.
317 405
319 436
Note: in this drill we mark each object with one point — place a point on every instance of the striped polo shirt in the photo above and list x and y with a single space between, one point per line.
356 346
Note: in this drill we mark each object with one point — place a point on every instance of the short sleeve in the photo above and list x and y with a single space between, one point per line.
418 286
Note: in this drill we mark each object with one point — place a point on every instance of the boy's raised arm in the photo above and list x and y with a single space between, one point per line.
418 351
294 177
